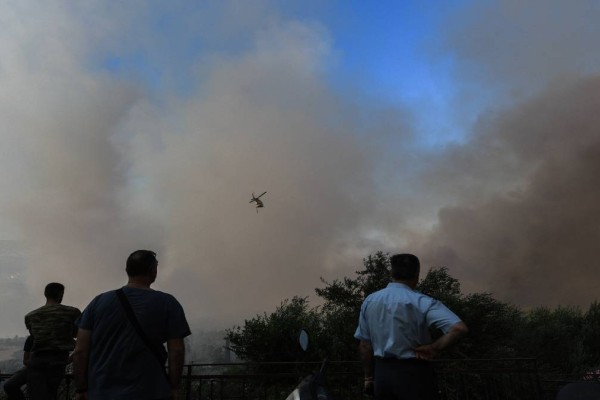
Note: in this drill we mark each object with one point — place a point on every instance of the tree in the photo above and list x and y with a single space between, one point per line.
554 338
491 322
343 299
564 340
492 327
274 337
590 337
438 284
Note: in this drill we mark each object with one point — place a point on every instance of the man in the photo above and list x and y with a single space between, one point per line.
12 387
111 359
53 327
395 343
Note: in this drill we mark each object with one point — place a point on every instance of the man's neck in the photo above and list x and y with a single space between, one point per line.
410 283
139 283
51 302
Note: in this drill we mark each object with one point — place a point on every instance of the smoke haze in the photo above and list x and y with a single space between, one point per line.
104 152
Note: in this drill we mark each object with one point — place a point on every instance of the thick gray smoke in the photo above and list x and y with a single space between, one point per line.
97 167
534 240
97 164
521 194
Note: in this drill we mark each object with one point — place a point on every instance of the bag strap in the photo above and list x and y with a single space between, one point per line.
136 325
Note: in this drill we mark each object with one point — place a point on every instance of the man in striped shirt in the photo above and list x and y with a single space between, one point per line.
53 328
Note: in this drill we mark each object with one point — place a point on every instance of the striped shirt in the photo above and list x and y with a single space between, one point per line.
53 327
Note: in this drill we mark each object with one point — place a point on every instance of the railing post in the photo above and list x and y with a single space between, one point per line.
221 388
243 388
68 387
188 383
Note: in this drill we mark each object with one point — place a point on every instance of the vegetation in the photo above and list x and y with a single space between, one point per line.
565 340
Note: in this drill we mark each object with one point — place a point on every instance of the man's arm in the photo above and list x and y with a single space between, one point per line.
176 350
80 359
456 332
365 350
75 328
28 345
26 355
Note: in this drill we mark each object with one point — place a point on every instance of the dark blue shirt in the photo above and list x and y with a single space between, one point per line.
120 365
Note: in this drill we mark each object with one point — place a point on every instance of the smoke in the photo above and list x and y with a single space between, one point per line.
520 199
138 126
61 177
265 122
533 240
99 166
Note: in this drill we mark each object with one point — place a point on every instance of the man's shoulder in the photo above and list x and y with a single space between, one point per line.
61 309
165 295
71 309
66 307
391 288
151 295
32 313
377 294
395 291
160 295
108 293
102 298
168 299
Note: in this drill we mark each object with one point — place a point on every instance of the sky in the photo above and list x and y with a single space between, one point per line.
466 132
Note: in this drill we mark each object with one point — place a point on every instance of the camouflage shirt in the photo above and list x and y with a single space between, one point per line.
53 327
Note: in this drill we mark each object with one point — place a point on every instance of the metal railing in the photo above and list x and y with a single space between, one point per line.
489 379
493 379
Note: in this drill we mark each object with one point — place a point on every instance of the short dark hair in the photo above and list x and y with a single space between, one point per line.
404 266
141 262
54 291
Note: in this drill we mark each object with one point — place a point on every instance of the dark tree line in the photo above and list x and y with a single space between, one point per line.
565 340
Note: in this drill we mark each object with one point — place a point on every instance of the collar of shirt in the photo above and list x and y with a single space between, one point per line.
400 285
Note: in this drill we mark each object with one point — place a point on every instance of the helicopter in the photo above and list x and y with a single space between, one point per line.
258 201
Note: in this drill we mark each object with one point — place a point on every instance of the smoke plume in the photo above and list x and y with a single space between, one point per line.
139 126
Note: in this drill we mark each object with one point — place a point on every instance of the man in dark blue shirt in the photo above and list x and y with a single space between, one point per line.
111 359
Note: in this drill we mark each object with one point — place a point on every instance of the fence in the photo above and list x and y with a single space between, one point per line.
457 380
494 379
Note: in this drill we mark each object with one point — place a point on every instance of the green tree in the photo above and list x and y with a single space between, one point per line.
590 334
274 337
492 327
553 336
342 302
564 340
438 284
491 322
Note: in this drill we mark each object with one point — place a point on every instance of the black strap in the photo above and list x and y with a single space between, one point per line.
139 330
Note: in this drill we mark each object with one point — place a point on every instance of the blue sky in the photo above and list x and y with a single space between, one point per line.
389 47
390 51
